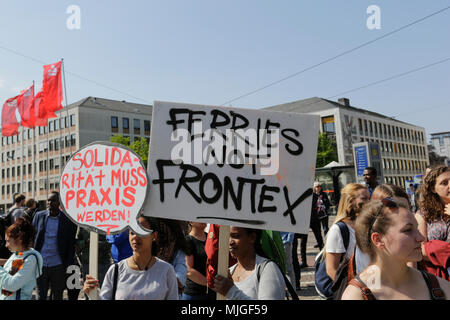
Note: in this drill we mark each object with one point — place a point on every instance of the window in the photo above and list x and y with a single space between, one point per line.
51 126
126 125
67 141
56 124
137 126
114 123
147 127
328 124
72 120
61 122
73 140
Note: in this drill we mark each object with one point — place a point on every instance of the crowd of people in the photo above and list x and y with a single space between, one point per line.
395 242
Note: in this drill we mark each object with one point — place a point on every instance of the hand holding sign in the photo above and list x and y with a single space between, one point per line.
103 187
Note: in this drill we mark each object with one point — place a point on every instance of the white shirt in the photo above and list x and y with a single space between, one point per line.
157 283
270 287
335 243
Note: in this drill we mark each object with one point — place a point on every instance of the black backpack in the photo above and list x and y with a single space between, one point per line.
322 280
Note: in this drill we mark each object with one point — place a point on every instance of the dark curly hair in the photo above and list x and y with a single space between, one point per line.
430 203
22 230
170 238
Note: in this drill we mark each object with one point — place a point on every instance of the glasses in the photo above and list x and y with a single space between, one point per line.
386 202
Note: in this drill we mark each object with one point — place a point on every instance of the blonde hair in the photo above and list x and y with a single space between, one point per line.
346 208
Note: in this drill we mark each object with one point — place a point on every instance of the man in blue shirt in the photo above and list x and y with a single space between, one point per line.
370 178
55 241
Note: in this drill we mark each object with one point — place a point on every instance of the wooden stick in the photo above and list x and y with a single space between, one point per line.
224 236
93 262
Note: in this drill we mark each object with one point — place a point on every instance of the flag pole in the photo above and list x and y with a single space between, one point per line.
33 156
65 98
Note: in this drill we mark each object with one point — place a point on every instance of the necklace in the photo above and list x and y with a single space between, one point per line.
146 265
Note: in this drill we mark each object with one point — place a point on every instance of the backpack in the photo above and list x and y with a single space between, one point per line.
322 280
272 245
18 292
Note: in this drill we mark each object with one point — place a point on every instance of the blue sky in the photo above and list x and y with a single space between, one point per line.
210 52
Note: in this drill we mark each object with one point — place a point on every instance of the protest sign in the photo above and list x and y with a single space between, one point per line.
230 166
103 188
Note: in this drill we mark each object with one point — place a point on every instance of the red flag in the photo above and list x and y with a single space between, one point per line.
26 107
52 88
40 114
10 125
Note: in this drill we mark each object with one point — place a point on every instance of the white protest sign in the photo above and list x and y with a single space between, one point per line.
230 166
103 188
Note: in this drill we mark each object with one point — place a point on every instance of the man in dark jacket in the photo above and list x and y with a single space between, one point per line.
55 241
319 212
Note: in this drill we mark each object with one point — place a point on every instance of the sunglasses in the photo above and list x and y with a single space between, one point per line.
386 203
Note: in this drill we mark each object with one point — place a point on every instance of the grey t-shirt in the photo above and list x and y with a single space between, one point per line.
271 285
157 283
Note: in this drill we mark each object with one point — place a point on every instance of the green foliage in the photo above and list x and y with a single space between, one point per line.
326 151
140 146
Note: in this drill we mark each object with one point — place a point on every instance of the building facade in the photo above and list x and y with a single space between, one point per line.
441 143
402 145
33 160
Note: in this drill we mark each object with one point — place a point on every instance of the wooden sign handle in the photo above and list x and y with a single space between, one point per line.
93 262
224 236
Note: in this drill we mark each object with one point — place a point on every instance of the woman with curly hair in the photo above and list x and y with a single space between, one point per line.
18 276
433 215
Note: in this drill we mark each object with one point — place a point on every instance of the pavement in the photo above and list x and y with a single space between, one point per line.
307 289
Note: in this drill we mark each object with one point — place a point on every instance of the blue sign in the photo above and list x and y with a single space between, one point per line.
361 159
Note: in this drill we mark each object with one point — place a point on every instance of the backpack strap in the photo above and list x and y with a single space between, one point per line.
367 294
345 233
432 282
115 276
288 284
18 292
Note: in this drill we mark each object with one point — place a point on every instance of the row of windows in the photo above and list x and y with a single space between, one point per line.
13 188
27 168
53 145
397 164
386 131
126 125
53 125
395 147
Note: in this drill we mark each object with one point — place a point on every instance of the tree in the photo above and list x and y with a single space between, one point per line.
435 159
140 146
326 151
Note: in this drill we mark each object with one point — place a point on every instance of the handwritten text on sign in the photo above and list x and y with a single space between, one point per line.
103 186
207 165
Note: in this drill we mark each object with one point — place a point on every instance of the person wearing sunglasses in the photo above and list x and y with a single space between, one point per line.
142 276
387 231
382 191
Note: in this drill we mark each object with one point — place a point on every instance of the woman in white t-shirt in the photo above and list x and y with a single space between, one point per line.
253 277
353 197
142 276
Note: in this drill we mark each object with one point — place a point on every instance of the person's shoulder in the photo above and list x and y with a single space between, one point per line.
40 214
352 293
